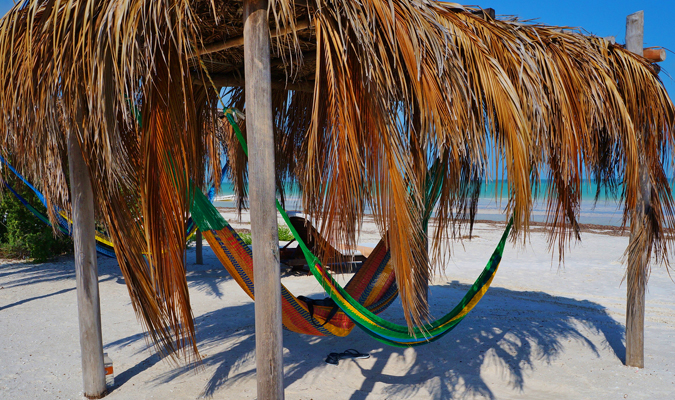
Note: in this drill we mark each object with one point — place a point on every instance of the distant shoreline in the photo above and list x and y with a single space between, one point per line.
535 226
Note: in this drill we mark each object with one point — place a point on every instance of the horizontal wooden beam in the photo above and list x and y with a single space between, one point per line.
651 54
222 80
654 55
239 41
485 13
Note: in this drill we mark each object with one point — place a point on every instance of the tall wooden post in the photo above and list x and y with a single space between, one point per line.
198 248
86 269
266 272
424 277
636 276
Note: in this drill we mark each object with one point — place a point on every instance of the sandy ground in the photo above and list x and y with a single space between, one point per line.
541 332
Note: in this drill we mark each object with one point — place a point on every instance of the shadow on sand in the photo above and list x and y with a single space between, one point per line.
21 273
60 269
509 329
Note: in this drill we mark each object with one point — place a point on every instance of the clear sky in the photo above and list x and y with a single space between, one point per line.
601 17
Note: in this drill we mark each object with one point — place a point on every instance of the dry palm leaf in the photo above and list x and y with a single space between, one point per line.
399 87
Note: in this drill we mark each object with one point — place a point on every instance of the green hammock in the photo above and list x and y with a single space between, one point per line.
377 327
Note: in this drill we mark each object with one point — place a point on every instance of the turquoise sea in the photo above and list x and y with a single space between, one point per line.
606 211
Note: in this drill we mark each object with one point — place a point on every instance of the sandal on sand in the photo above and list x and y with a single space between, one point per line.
334 358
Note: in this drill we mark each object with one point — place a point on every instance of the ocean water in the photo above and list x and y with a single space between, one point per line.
492 203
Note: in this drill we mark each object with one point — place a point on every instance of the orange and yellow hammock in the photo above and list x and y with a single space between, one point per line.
371 290
374 285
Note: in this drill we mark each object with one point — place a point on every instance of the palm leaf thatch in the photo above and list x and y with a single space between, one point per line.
366 99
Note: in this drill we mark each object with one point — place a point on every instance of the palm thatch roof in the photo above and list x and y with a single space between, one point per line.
368 95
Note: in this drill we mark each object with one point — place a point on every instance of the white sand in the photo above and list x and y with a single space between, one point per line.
540 333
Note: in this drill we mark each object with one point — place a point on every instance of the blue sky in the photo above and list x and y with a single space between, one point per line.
602 18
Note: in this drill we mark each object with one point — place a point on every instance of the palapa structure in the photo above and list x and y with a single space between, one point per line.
366 96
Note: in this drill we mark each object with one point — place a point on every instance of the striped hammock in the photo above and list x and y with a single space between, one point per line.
374 284
355 307
371 290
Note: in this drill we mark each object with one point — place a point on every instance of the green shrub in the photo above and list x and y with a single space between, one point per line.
246 237
285 235
22 234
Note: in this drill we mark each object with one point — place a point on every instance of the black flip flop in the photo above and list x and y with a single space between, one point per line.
334 358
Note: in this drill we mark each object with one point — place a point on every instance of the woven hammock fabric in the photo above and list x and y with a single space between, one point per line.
395 334
379 328
374 285
369 292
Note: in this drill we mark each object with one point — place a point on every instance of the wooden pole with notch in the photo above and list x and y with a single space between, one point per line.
636 274
266 272
199 257
86 268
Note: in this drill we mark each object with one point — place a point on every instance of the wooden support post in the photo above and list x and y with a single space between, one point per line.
636 276
198 248
266 270
422 306
86 269
425 277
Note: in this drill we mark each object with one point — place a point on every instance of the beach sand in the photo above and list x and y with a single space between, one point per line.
541 332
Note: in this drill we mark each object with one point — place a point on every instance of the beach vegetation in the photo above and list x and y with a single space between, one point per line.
23 235
285 235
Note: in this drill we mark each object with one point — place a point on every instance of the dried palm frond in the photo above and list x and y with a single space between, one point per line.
387 102
399 88
145 132
400 84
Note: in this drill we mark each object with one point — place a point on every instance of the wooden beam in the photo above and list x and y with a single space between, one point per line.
266 269
654 55
86 269
199 258
307 57
229 80
636 275
485 13
239 41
